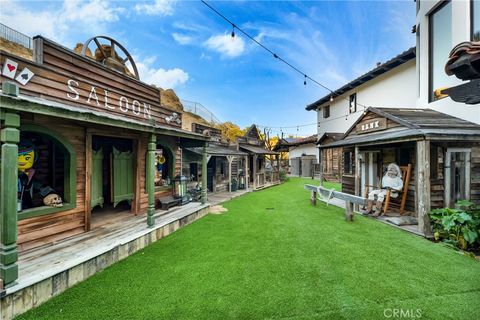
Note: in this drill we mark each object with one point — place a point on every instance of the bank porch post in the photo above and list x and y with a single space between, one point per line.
150 181
9 137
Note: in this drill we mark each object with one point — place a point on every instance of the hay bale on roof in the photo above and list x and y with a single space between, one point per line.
170 100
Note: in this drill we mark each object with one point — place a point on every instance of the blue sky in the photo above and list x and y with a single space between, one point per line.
185 46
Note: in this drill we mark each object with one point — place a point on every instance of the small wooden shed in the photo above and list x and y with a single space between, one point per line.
444 152
258 164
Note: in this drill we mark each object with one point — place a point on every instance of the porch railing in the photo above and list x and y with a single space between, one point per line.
260 179
12 35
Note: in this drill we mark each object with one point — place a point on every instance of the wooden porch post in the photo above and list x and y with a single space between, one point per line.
278 162
320 166
150 181
204 174
357 175
230 159
255 157
247 177
9 136
423 186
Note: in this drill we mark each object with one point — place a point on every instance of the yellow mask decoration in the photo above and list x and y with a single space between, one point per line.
26 157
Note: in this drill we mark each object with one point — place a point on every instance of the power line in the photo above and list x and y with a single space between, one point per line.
276 56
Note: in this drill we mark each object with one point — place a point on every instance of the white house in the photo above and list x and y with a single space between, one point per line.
390 84
440 26
302 154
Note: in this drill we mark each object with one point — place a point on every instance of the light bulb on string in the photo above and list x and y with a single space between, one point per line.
305 80
331 97
233 31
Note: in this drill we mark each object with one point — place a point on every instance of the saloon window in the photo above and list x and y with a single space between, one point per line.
46 173
164 166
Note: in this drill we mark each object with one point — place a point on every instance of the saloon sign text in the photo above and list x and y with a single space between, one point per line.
125 105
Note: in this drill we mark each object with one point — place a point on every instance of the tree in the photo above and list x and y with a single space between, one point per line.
231 131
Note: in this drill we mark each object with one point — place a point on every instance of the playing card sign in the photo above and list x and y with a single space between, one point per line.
9 69
24 76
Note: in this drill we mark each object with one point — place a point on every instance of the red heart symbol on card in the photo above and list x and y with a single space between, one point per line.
10 67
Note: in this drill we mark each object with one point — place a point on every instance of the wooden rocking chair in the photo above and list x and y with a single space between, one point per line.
406 174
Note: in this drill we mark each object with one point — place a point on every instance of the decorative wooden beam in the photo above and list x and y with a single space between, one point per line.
230 159
9 137
204 174
150 181
247 176
255 157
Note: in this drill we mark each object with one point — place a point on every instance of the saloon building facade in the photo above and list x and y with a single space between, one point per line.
100 140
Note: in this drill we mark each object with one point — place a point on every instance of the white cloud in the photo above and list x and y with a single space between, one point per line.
160 77
60 22
226 45
158 8
182 38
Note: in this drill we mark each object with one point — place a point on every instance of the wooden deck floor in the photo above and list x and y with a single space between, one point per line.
44 262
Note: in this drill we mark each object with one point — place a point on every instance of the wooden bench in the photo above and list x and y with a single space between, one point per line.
349 199
168 202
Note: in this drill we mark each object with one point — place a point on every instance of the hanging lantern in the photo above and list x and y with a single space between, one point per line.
180 189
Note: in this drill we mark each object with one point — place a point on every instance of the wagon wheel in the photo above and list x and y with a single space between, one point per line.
111 55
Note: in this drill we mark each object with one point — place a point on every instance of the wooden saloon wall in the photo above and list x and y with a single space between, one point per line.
73 99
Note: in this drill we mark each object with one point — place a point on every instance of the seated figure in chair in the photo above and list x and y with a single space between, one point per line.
392 180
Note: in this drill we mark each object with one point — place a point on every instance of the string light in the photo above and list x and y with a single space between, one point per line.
305 80
233 30
274 54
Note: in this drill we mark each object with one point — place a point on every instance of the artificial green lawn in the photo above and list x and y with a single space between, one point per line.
274 256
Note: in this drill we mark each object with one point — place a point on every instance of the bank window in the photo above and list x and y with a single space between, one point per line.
348 162
326 112
475 13
352 106
440 44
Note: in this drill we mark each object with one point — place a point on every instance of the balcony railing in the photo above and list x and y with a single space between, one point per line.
9 34
199 110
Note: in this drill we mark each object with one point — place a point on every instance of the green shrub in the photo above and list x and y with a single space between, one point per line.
283 176
459 227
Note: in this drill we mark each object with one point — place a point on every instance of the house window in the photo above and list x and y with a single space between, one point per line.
475 12
348 162
352 107
440 36
326 112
